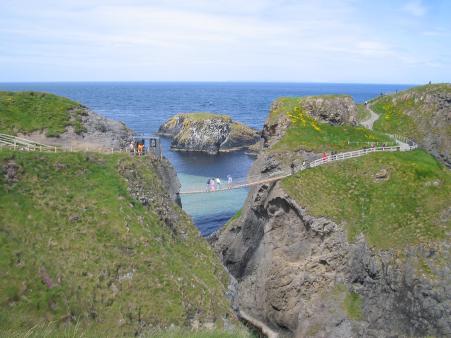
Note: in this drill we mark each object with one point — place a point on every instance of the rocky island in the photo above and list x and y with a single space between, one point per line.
209 133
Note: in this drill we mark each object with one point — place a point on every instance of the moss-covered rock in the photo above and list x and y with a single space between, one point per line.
206 132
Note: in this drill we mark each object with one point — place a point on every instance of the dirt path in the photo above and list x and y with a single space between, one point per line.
373 118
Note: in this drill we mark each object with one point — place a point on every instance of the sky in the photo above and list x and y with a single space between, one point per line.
340 41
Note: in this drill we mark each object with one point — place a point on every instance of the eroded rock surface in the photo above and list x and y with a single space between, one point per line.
301 276
99 133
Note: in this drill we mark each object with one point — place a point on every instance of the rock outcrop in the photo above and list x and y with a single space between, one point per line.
97 133
301 276
208 133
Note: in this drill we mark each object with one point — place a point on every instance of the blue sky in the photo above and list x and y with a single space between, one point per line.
397 41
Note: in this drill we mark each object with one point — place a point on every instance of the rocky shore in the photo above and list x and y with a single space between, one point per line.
209 133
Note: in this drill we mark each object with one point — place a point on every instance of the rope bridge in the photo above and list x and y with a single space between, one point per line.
262 179
403 144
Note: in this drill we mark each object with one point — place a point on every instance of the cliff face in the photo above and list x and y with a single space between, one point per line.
306 271
421 113
207 133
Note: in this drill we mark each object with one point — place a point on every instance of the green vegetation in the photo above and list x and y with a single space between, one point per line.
53 331
353 306
362 113
26 112
76 247
413 113
392 117
307 133
200 116
404 208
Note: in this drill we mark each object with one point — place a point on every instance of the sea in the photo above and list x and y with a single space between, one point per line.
144 106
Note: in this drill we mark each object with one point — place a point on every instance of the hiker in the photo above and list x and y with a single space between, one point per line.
292 168
212 184
324 156
373 147
218 183
303 164
208 185
132 148
229 181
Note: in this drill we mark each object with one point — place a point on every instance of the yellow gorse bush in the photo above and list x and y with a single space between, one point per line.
299 115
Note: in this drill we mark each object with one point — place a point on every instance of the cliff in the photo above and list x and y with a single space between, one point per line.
93 244
56 120
208 133
341 250
422 114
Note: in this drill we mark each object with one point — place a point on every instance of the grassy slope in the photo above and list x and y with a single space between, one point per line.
306 133
26 112
406 208
90 260
407 114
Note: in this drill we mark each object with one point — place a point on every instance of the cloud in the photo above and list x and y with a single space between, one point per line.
415 8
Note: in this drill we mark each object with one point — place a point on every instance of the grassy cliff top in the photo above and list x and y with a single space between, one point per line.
307 133
409 206
77 247
413 112
26 112
200 116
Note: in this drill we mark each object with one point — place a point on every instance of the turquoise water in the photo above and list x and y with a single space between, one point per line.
143 106
211 209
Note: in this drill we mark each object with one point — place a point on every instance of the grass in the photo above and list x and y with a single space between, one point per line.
403 209
392 117
51 330
308 134
113 265
200 116
362 113
353 306
27 112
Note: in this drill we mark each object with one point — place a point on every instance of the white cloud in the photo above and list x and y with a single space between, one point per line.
415 8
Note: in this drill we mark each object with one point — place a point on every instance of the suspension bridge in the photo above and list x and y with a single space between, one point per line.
401 144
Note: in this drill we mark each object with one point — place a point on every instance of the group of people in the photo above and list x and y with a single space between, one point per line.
214 184
136 148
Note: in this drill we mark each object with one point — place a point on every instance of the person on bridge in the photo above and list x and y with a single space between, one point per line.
218 183
324 156
132 148
212 184
208 185
229 181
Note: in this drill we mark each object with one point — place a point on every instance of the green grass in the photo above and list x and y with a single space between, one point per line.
404 209
200 116
67 217
392 117
306 133
353 306
51 330
362 113
26 112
